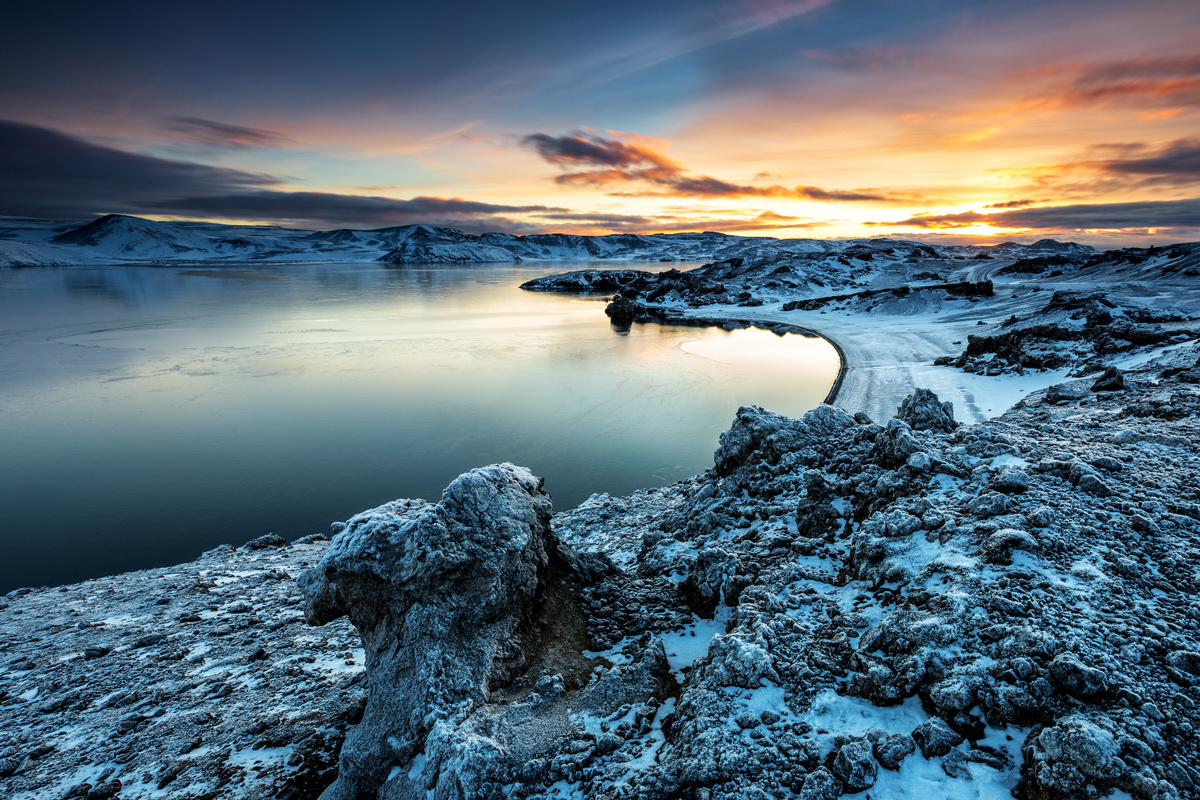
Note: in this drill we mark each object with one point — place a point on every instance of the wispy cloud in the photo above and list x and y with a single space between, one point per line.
222 135
1167 81
1011 204
740 19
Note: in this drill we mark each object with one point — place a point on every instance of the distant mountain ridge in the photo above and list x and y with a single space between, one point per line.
118 239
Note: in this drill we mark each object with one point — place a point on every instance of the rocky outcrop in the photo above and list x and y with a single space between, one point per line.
837 606
922 411
585 281
1083 331
455 603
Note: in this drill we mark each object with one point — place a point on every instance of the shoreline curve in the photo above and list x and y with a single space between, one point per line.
662 318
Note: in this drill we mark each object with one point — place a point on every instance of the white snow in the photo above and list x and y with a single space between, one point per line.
691 642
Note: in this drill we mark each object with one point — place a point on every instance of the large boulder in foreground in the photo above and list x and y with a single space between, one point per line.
454 601
438 593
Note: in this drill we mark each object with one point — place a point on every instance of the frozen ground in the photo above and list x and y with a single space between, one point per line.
193 681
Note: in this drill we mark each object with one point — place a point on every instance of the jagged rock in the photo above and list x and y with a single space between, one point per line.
1010 481
717 575
936 738
924 412
1064 758
1009 705
1113 380
953 694
891 751
1078 679
750 429
1185 661
895 444
816 519
820 784
397 571
988 504
754 428
855 765
1064 393
622 310
1092 484
263 542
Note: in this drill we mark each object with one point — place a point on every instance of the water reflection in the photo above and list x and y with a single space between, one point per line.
148 414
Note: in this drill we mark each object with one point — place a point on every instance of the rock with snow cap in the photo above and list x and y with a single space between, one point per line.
936 738
923 411
821 785
855 765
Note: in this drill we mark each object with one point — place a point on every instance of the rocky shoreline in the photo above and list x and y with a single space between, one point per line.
905 608
836 606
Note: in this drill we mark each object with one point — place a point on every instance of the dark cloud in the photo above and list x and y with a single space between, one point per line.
44 173
49 174
627 158
220 134
598 218
731 226
338 210
1180 158
813 193
1116 170
586 149
937 221
1108 216
672 223
1181 215
1140 70
1011 204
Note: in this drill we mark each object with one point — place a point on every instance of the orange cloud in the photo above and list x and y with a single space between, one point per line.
1173 81
624 158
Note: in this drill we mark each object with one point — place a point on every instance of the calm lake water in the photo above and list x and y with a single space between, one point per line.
148 414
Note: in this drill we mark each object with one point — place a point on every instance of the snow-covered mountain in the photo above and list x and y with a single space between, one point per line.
122 239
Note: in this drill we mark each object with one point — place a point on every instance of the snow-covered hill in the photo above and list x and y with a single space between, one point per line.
117 239
117 236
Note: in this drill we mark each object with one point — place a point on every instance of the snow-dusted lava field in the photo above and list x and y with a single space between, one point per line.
983 591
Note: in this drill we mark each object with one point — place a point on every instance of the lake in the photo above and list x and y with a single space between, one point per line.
150 413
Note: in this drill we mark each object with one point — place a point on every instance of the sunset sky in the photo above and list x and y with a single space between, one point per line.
1017 119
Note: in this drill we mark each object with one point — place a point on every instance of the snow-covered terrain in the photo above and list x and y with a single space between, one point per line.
193 681
847 603
116 239
913 609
